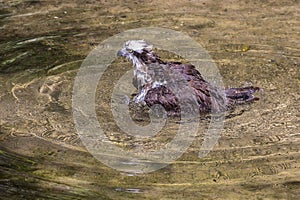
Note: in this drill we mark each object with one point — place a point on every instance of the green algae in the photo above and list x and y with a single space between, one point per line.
21 173
37 54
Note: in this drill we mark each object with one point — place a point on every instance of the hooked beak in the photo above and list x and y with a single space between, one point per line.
121 53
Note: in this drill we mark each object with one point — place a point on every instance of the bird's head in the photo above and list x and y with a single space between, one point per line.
139 52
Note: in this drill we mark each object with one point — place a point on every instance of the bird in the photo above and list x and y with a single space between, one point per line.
161 82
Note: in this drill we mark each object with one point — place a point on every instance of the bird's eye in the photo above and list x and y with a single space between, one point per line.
130 50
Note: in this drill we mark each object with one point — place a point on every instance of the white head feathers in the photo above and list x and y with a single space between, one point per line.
138 45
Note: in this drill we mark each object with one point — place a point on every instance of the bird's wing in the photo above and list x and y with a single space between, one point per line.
206 94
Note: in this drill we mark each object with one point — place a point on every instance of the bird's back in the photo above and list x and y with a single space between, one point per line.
207 97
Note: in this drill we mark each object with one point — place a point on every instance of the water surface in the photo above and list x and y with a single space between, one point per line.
42 45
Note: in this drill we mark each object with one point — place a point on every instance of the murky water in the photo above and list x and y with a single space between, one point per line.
42 45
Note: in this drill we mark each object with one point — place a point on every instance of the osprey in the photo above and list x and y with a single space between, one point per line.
157 82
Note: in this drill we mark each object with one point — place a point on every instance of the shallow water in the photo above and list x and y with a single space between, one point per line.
42 45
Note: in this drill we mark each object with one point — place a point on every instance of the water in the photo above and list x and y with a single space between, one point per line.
42 47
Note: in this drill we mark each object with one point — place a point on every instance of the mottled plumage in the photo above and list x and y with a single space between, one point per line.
157 80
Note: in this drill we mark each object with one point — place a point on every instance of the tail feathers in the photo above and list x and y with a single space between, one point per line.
242 95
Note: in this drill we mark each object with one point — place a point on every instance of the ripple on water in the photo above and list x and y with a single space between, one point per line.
129 190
